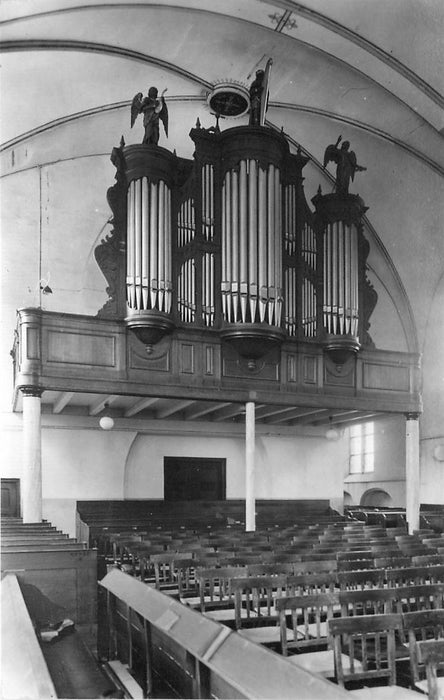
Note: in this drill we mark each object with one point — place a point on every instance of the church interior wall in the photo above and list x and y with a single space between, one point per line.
97 465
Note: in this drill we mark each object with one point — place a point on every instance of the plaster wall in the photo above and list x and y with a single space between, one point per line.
389 464
92 464
432 420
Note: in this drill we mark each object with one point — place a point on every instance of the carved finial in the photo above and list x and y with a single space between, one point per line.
198 124
122 142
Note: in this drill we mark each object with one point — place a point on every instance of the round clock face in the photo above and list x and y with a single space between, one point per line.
228 102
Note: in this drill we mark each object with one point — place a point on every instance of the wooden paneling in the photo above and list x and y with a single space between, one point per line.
68 579
387 377
81 348
10 498
81 353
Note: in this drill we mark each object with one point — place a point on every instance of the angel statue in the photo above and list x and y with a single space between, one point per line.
153 110
346 164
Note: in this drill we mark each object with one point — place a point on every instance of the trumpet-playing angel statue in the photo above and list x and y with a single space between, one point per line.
153 110
346 164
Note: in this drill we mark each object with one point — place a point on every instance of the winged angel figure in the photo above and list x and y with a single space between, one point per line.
153 110
346 164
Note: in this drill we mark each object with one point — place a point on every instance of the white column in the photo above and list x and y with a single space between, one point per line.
412 474
32 455
250 503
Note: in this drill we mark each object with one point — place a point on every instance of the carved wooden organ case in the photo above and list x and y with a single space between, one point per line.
227 243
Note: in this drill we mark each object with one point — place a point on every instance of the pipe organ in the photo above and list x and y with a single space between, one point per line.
227 242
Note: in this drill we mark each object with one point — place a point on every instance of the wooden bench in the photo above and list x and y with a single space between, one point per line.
24 671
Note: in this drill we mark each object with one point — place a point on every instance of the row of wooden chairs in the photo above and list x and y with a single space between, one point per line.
309 627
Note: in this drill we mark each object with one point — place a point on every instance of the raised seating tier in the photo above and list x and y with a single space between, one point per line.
60 568
93 516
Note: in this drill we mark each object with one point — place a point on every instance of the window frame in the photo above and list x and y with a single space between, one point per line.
362 448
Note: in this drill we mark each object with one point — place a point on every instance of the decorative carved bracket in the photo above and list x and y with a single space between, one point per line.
110 253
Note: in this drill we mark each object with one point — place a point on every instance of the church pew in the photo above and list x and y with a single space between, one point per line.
44 546
24 671
68 577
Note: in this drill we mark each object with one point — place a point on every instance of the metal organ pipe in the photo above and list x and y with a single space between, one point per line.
161 253
149 264
234 212
145 240
262 244
341 279
277 234
251 244
243 238
130 292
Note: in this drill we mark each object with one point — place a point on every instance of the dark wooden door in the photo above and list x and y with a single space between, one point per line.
194 479
10 498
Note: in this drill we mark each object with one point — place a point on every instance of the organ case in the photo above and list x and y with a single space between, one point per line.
227 242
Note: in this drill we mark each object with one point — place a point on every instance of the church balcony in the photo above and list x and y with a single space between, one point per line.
70 353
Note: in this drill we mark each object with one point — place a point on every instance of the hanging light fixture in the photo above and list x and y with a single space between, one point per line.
331 433
106 422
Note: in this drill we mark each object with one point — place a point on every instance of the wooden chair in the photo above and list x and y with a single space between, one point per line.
310 584
427 559
421 626
270 569
361 579
430 653
165 570
423 597
309 616
391 562
255 612
415 575
367 642
215 595
313 567
369 601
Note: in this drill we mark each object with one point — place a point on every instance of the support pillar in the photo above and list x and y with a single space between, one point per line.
32 455
412 473
250 503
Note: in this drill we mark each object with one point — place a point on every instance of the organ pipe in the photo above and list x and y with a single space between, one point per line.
341 273
149 261
251 244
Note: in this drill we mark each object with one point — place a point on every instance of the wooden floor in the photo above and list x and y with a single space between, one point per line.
73 669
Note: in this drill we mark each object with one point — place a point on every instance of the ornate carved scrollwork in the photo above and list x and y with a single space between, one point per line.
110 253
369 295
369 298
